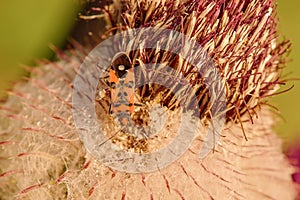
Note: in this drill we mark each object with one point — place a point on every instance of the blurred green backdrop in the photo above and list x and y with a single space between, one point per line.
26 30
288 102
28 27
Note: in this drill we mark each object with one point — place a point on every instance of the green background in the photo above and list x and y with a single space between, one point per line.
28 27
289 102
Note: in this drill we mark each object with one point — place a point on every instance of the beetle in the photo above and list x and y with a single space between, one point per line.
122 85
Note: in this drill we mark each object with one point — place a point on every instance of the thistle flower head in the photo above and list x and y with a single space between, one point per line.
43 157
240 37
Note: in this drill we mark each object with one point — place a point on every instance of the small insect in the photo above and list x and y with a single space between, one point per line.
122 93
122 85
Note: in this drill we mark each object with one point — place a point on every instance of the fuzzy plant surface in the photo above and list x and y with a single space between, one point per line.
43 157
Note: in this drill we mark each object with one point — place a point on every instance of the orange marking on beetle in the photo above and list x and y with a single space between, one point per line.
113 77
